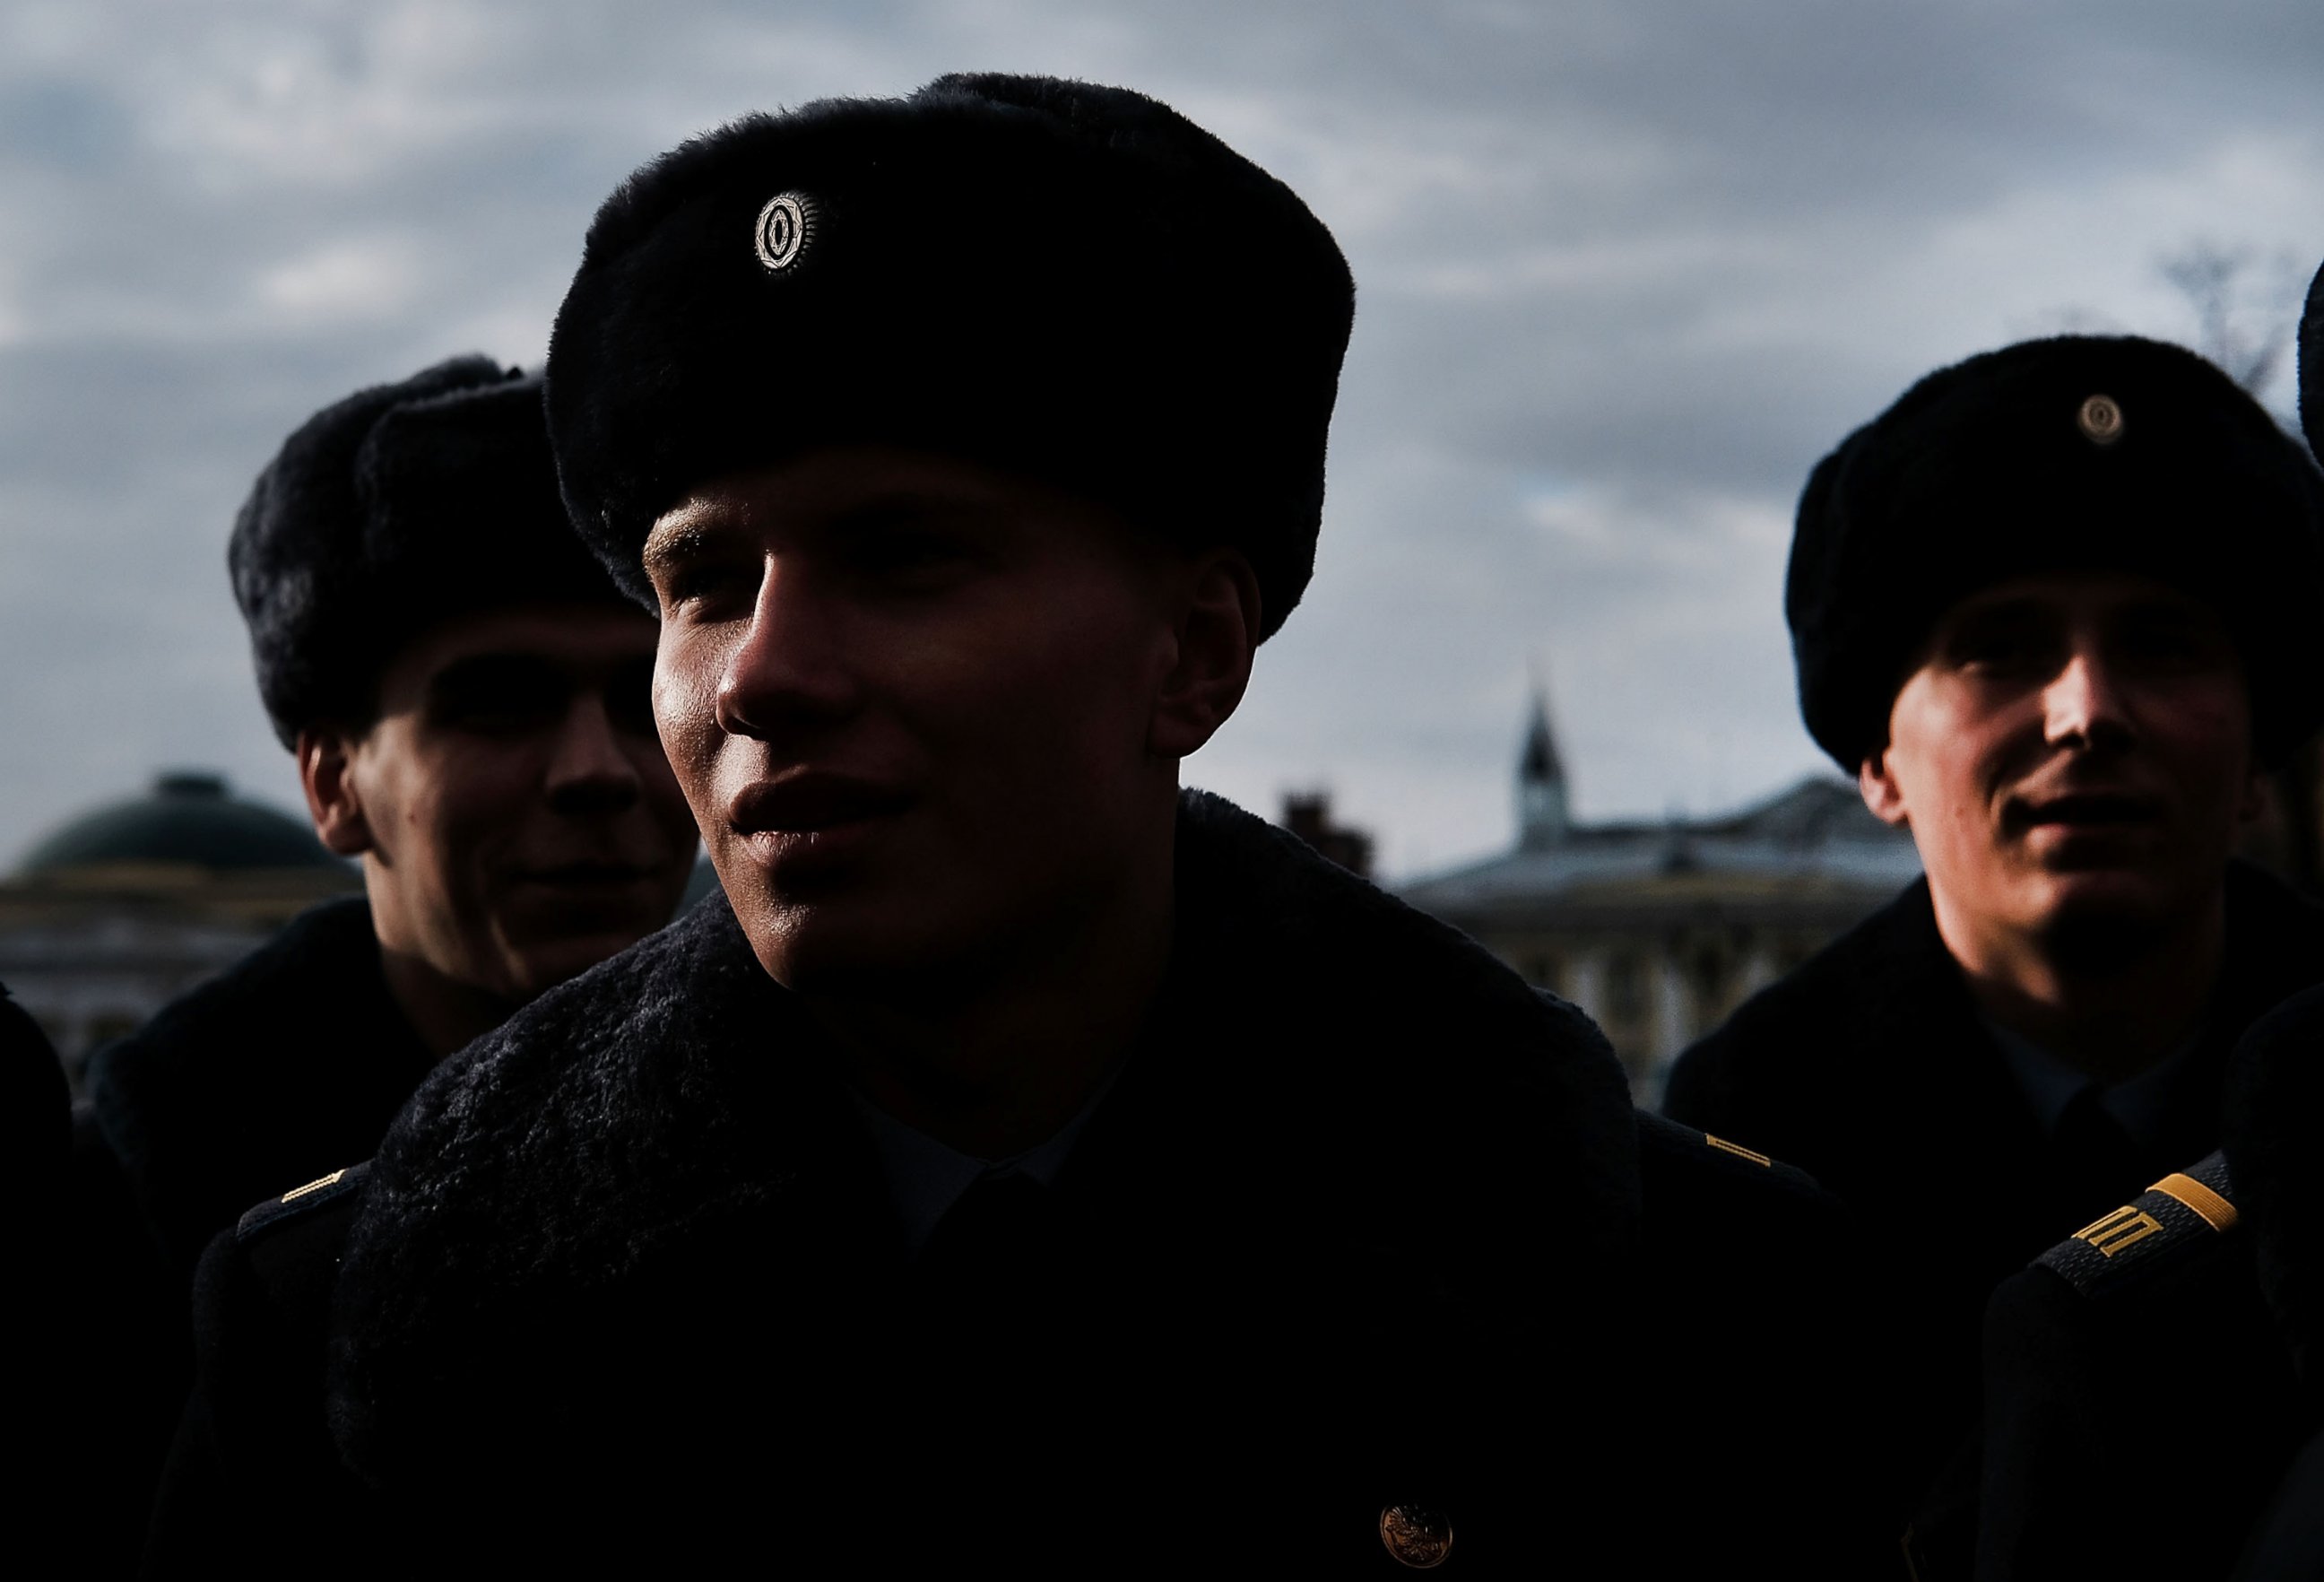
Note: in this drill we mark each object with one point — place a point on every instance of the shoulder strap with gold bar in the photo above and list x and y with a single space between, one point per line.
2185 1207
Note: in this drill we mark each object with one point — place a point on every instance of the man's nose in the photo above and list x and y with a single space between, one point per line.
788 669
2084 704
591 768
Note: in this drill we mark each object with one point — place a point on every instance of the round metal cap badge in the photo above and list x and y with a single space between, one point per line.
784 229
2101 420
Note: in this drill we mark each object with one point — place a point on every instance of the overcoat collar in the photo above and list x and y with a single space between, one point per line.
1331 1063
1920 1045
227 1095
1923 1043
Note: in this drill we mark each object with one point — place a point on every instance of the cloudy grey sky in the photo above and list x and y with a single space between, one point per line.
1626 269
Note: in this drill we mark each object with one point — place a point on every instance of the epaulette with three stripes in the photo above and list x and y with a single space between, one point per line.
2184 1210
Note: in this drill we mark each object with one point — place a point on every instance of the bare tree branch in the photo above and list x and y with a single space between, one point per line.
2218 282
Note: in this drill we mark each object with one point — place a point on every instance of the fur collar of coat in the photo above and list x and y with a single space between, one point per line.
1353 1126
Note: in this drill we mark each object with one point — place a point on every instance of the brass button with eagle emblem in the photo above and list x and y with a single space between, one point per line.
1415 1535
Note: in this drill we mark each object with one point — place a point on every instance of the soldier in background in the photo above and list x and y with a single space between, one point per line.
1027 1162
2184 1328
2055 611
465 692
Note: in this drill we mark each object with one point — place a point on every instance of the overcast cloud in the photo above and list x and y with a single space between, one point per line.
1624 270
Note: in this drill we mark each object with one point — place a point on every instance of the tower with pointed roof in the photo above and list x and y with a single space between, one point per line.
1543 820
1659 928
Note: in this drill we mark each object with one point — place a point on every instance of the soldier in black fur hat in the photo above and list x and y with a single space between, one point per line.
2055 610
1035 1164
467 694
2182 1329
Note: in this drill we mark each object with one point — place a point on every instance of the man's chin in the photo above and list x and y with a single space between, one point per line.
539 966
846 947
820 959
2096 917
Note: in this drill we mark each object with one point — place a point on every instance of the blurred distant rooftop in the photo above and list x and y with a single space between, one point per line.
188 820
1817 829
1815 834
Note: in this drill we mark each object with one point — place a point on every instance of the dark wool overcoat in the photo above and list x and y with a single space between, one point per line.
287 1065
1870 1069
2168 1399
2198 1346
1365 1226
290 1063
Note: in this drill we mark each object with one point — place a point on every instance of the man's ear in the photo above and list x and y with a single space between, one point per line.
1880 791
1218 633
333 800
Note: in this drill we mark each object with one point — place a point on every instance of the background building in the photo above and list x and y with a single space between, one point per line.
1660 929
117 911
1308 815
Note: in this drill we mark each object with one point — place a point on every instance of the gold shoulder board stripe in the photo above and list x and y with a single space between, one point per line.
2217 1211
2126 1226
335 1175
1737 1149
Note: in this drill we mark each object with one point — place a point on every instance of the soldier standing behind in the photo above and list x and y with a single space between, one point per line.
2055 611
466 695
2182 1329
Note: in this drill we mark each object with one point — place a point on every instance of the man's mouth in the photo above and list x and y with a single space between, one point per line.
2092 810
806 802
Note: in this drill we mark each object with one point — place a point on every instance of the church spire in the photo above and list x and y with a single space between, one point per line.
1541 815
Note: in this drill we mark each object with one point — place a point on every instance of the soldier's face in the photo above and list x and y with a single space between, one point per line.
517 819
914 704
2071 748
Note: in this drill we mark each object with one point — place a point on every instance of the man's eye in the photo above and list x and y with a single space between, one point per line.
908 552
2171 645
1995 651
1996 648
501 710
707 582
498 694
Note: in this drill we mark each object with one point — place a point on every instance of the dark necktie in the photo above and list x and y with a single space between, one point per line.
997 1243
990 1306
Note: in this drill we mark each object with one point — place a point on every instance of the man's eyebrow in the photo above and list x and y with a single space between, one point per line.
674 541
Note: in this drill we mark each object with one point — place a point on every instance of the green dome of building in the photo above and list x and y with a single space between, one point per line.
187 820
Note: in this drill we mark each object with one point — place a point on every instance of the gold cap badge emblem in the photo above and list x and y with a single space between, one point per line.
2100 418
1415 1535
784 229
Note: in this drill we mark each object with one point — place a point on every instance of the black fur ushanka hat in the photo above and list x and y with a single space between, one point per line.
1068 280
2080 452
388 512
